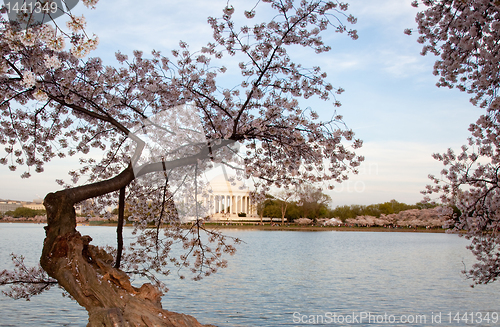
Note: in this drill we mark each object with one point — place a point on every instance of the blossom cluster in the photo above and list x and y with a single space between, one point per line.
25 281
408 218
465 35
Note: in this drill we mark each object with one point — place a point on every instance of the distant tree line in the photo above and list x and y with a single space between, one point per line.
23 212
412 218
313 204
376 210
307 202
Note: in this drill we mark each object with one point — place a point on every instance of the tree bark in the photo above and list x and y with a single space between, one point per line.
284 205
119 227
86 272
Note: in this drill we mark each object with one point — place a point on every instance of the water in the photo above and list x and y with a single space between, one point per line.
280 278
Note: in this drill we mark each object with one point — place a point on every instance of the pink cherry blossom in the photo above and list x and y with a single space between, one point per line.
464 35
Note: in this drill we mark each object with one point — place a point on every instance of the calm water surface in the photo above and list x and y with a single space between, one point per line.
280 278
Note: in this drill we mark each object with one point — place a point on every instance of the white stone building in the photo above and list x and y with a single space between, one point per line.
37 204
226 201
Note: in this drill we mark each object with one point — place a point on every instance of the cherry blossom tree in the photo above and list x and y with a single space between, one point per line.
160 122
465 35
433 217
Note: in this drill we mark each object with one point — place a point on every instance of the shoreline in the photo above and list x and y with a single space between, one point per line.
275 227
299 228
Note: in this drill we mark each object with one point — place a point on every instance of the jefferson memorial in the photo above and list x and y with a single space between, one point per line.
228 202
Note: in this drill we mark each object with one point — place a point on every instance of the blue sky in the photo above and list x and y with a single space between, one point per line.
391 101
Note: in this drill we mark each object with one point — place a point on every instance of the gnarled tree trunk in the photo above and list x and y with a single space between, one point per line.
87 272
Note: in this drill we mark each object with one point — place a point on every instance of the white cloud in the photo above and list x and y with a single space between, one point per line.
385 11
399 65
392 170
38 185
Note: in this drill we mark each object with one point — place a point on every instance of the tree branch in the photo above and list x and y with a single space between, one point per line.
119 227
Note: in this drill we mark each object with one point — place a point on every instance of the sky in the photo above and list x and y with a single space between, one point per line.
391 101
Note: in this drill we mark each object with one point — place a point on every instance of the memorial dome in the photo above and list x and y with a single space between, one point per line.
229 200
219 184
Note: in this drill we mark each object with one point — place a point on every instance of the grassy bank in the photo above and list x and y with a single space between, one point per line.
274 227
292 227
295 227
